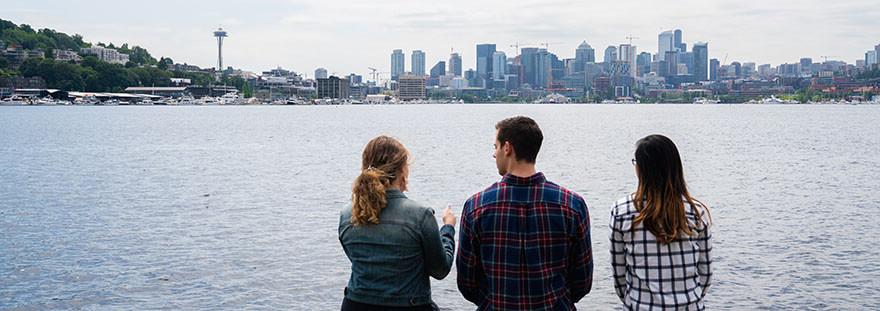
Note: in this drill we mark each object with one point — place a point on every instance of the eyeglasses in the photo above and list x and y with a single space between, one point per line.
634 161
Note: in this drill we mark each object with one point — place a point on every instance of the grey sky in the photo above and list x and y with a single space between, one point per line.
348 36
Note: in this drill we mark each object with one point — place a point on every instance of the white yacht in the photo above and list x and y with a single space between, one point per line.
705 101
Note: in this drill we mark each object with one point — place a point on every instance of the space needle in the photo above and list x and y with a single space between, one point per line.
220 34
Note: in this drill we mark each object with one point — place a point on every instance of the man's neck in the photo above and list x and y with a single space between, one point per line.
522 169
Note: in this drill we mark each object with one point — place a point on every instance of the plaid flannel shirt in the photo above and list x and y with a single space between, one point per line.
525 245
653 276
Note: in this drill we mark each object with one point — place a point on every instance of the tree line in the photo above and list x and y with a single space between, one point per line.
92 74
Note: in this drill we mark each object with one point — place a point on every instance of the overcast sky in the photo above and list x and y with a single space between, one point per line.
350 35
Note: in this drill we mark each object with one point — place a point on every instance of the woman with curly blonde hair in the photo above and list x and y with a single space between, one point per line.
393 243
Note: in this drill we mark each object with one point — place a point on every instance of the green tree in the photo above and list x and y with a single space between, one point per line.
246 90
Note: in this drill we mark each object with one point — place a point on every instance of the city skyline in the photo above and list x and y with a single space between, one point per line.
304 36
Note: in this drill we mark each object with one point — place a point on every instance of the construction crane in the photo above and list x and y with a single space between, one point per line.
547 44
373 72
517 45
827 57
630 38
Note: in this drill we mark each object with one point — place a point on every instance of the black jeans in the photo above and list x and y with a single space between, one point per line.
348 305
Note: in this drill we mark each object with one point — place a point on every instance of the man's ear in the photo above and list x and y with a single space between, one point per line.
508 148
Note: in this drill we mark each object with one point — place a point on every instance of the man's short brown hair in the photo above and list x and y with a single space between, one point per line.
523 134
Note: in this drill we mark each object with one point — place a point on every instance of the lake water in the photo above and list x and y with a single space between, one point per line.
237 207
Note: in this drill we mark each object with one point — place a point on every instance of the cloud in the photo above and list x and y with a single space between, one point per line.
347 36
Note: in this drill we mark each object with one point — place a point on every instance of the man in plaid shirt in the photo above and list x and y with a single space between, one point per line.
524 241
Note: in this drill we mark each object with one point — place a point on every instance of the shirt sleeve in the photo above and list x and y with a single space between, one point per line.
618 255
470 271
704 260
438 247
580 263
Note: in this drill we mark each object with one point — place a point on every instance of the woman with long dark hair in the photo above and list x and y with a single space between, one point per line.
393 243
660 239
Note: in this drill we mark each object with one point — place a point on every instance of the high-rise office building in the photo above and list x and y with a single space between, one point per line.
609 58
455 64
397 64
665 43
643 63
543 69
671 59
438 70
485 53
418 63
806 65
679 44
499 64
627 54
528 60
871 58
687 60
714 64
701 61
610 54
737 69
583 55
411 87
332 87
320 73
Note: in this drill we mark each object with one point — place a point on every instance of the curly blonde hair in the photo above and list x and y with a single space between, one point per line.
384 160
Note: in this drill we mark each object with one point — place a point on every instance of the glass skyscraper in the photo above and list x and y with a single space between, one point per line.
397 64
665 43
485 53
418 63
701 61
455 64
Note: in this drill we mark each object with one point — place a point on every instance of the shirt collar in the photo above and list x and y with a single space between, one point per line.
394 194
516 180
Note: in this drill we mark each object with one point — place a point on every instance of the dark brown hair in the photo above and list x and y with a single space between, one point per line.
662 190
384 159
523 134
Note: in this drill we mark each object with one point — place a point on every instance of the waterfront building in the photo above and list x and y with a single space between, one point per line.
354 79
701 61
107 55
320 73
397 64
455 64
418 63
333 87
410 87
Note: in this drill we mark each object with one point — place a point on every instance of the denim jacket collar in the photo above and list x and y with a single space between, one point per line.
394 194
